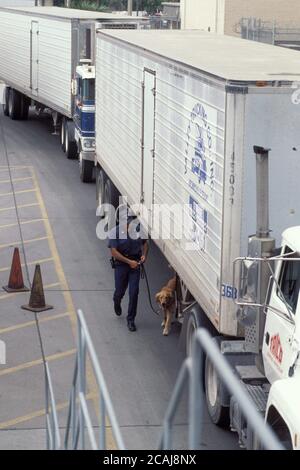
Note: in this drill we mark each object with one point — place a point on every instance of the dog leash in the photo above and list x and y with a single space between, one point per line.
144 276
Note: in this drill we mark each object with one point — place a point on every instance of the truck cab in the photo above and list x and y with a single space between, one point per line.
84 117
266 361
281 343
275 386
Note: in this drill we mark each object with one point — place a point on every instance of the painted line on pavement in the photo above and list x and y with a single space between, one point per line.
11 193
69 301
14 180
15 167
37 362
36 414
32 263
6 245
30 221
20 326
21 206
13 294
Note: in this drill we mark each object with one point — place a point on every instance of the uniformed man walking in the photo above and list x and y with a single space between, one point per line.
129 249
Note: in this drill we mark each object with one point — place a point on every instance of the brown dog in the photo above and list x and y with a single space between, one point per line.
166 299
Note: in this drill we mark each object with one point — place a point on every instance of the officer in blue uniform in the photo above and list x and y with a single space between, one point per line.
129 249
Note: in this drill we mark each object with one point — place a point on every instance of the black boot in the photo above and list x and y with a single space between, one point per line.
118 309
131 325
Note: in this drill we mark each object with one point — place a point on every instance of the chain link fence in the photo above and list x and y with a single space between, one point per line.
255 29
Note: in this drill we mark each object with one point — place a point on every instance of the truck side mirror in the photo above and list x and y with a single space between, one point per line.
248 286
74 87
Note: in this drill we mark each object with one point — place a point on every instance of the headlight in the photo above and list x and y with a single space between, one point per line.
87 144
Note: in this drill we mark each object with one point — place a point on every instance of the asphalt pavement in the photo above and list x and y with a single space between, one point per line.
58 221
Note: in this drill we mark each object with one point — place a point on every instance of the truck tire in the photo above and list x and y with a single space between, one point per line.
70 142
63 135
194 322
86 169
14 104
111 197
214 390
25 103
100 188
111 194
196 319
5 101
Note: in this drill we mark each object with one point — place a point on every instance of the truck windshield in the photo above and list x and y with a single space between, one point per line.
289 281
89 89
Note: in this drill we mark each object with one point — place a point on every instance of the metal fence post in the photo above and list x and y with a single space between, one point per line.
102 433
196 396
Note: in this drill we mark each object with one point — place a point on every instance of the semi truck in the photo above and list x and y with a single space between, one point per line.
184 124
46 61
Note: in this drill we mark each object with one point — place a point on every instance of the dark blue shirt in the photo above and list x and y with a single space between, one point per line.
129 244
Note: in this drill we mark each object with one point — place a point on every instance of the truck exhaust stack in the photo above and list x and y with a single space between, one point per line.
260 246
262 192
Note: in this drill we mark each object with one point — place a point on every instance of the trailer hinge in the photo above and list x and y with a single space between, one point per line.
242 90
143 85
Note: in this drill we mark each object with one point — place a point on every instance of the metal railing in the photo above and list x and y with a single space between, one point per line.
191 373
52 429
79 422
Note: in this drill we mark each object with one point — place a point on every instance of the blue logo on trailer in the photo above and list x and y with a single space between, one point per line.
199 218
199 161
198 151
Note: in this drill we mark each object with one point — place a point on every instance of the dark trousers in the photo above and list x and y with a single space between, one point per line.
124 277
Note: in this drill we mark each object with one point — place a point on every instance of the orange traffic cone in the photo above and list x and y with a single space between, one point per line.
15 282
37 298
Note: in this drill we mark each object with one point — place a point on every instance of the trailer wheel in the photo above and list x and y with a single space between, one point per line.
86 168
111 194
111 198
70 142
14 104
196 319
5 105
218 413
25 103
194 322
100 188
63 135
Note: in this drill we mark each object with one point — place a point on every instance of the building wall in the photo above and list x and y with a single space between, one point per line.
283 12
202 14
222 16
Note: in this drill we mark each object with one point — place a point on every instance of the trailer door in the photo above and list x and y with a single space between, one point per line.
148 139
34 57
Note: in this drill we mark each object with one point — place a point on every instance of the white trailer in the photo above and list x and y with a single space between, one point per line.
177 116
40 50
